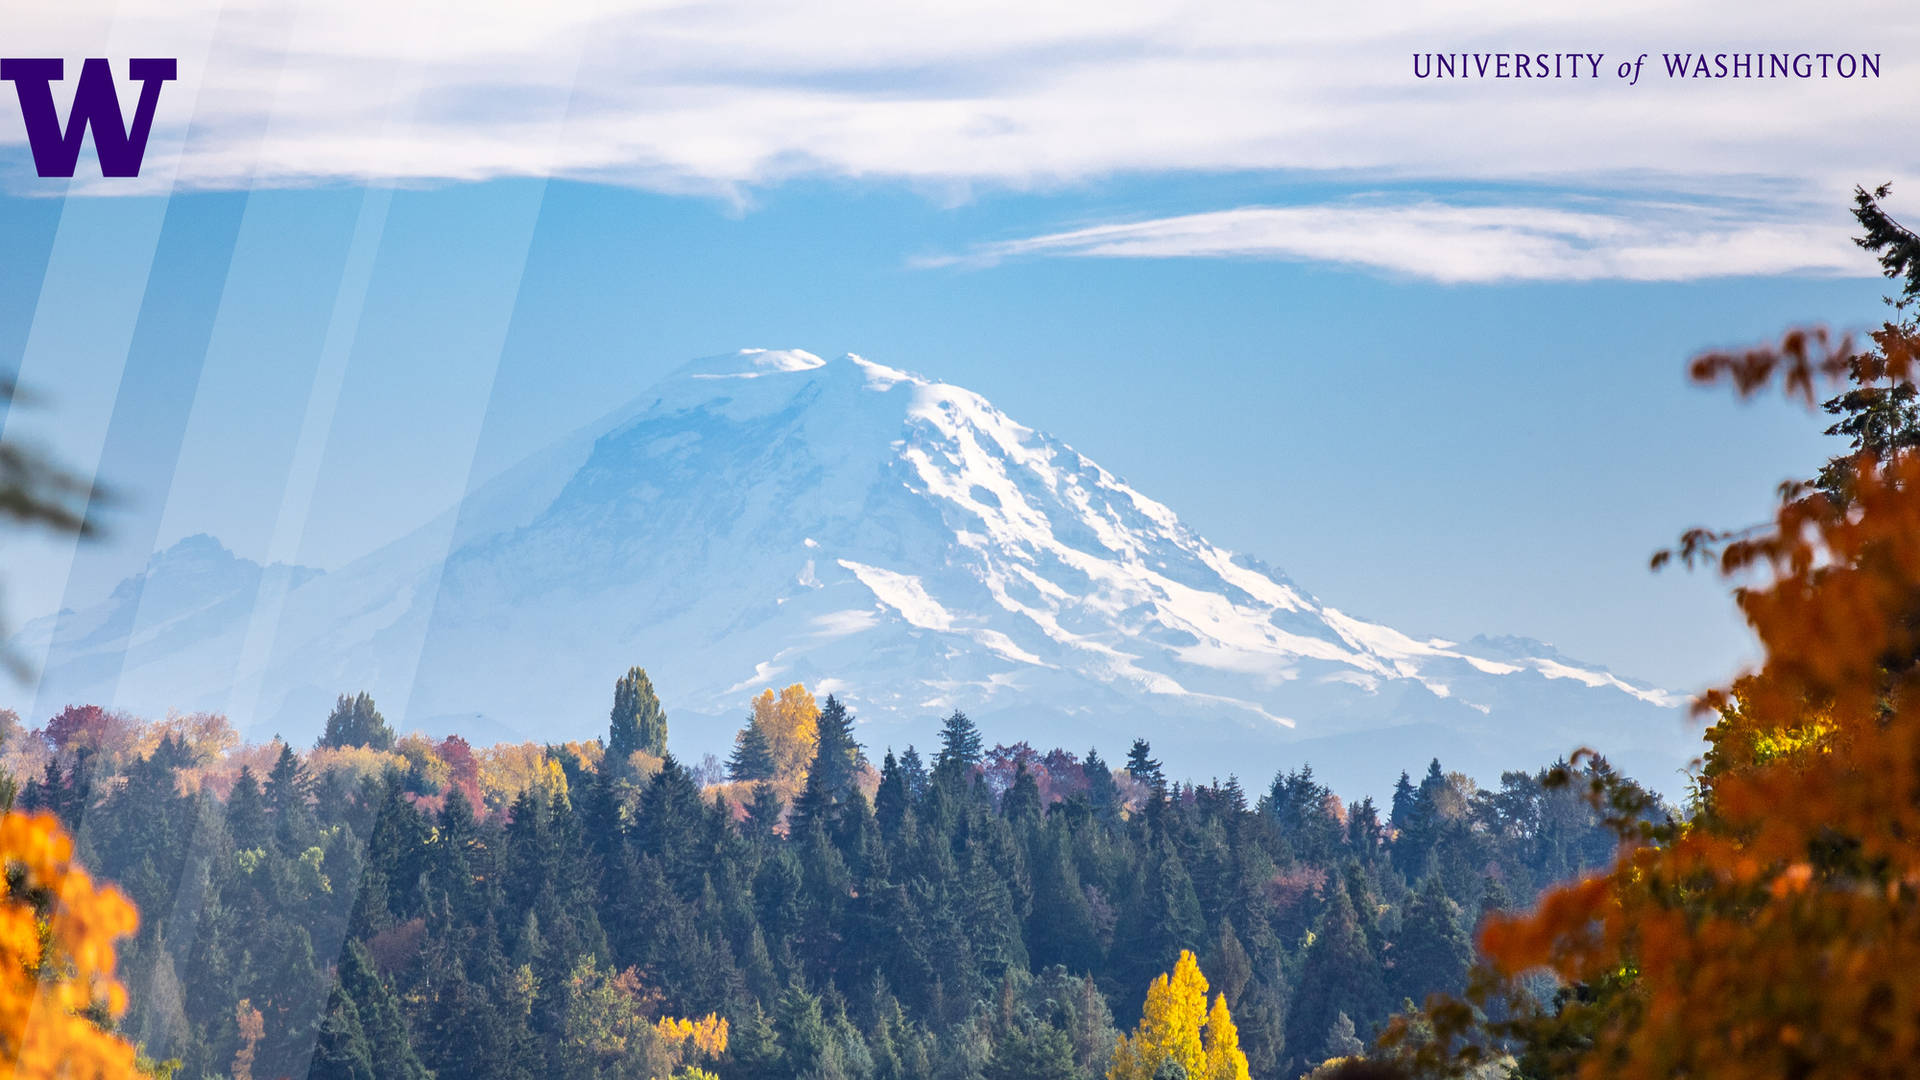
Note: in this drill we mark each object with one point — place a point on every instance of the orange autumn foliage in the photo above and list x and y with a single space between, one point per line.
1777 933
57 934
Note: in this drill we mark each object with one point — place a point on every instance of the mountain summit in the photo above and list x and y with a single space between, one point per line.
770 517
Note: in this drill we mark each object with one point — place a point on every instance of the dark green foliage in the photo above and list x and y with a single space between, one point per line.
960 748
1341 974
355 722
836 758
1102 793
1431 954
1896 245
364 1034
752 758
1879 414
928 933
1143 766
637 721
1036 1053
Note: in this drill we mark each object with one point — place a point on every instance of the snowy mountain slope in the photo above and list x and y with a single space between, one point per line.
770 517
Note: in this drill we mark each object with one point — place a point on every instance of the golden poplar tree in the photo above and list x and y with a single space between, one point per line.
1176 1025
791 726
57 981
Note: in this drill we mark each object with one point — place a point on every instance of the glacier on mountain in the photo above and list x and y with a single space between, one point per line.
768 517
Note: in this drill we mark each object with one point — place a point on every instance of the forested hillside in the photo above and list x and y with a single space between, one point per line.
377 906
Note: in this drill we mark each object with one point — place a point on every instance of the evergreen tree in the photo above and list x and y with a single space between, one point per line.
1021 803
1038 1052
1879 414
355 722
247 821
914 772
1419 827
1341 974
763 813
384 1027
342 1052
1897 246
1341 1040
1142 766
637 722
1061 930
752 757
1102 792
1228 960
837 758
288 792
1400 817
1431 953
1163 920
960 749
892 798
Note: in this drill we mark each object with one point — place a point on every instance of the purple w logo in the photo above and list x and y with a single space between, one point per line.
95 104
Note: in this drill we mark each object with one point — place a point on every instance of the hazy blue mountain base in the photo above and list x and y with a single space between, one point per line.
766 518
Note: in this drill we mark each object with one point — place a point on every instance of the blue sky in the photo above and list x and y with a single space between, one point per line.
1419 344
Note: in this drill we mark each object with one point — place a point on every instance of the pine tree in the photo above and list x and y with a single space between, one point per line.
837 758
380 1018
1897 246
637 722
342 1051
1021 803
752 757
1400 817
355 722
1419 826
1340 974
960 749
288 792
914 772
1061 930
1037 1052
1142 766
763 813
1431 953
1341 1040
1102 792
1227 959
247 820
1163 920
891 799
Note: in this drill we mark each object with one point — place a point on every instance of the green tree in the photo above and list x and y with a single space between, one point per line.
752 757
355 722
637 721
960 749
1142 766
836 757
1431 953
1036 1052
1341 974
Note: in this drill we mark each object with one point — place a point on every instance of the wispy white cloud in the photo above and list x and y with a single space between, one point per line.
729 95
1456 243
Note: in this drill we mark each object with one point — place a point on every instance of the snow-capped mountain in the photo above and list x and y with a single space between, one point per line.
770 517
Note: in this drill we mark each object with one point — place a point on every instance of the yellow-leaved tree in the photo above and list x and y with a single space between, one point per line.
790 723
57 982
1177 1026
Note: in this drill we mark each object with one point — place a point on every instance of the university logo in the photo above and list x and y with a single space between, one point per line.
96 105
